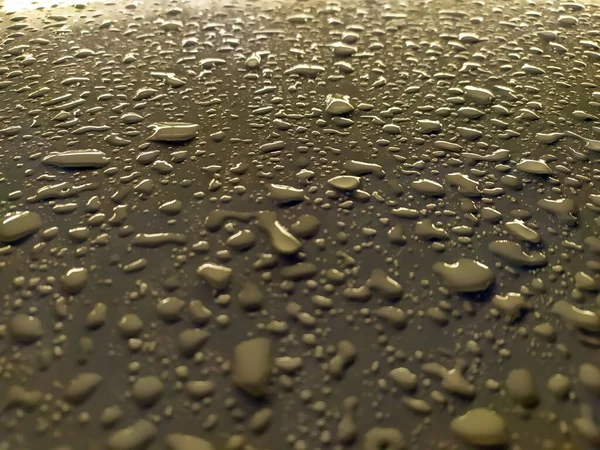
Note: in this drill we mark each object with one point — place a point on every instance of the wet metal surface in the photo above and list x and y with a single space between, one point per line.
304 225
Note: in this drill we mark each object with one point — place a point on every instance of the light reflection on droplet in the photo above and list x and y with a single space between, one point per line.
28 5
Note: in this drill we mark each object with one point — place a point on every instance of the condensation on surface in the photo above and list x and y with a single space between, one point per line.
299 225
